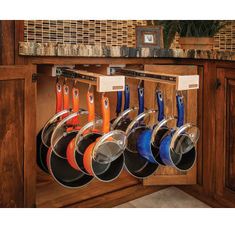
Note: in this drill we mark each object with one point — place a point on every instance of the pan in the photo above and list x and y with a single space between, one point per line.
178 146
76 159
135 164
58 166
44 136
103 158
147 147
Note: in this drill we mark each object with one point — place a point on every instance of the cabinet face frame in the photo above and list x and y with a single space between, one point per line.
24 74
223 193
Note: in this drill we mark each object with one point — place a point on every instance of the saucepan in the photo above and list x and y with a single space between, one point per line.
102 151
144 142
137 165
178 146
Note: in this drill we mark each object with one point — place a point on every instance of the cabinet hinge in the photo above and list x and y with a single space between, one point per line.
35 77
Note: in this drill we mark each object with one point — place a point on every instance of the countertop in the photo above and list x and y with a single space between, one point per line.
80 50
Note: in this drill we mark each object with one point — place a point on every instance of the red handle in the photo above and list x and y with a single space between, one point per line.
90 106
106 114
59 97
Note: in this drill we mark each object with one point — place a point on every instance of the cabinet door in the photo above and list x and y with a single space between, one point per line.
168 175
17 136
225 137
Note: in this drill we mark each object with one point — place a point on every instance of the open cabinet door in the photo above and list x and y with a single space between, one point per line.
17 136
168 175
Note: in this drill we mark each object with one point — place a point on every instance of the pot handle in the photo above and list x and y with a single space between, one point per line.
119 102
105 114
127 98
91 106
160 104
141 99
66 98
180 110
59 97
75 97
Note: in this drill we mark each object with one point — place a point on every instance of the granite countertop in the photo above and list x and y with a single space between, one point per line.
81 50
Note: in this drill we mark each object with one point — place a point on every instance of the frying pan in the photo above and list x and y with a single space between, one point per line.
44 136
135 164
103 157
67 129
74 159
178 147
58 166
145 147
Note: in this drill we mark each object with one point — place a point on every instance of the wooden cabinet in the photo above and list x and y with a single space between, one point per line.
225 137
17 144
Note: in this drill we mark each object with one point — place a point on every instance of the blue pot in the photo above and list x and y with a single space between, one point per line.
144 146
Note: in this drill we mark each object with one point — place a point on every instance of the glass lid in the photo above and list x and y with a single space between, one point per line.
143 121
185 138
128 113
50 126
109 146
64 132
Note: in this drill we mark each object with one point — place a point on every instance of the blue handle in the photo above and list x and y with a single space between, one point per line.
180 110
127 97
160 104
141 99
119 102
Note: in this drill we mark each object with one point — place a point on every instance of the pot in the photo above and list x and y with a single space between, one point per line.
103 157
178 148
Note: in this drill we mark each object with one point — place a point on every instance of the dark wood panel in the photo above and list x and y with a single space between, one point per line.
12 143
18 158
7 42
224 165
230 139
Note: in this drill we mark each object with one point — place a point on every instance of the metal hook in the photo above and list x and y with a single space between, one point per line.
179 93
89 87
140 84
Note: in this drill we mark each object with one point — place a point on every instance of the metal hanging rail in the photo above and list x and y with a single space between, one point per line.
103 83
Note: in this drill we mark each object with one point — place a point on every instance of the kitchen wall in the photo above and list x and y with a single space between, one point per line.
105 32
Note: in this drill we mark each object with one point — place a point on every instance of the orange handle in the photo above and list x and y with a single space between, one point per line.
59 99
106 113
66 98
75 120
90 106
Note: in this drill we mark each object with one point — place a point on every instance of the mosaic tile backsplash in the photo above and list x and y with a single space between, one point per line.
104 32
